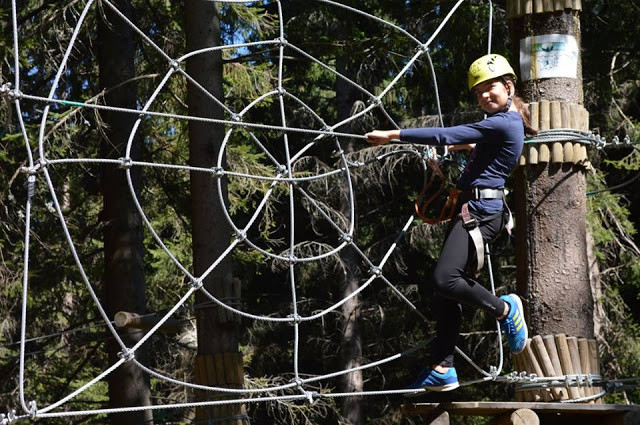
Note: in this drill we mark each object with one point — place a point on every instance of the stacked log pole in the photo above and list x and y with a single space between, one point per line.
558 356
550 204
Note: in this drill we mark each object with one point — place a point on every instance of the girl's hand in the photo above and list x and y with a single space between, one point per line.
454 148
381 137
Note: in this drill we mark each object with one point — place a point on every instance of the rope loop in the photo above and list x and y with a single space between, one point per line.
127 354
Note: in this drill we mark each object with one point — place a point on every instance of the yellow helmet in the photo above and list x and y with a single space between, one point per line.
487 68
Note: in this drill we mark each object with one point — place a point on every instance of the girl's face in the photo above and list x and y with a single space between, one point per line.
492 95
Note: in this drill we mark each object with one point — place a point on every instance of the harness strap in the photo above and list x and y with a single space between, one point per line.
472 226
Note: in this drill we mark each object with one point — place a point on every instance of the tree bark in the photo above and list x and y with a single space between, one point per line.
211 234
124 280
351 344
550 204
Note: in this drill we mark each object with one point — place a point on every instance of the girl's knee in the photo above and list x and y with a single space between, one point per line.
443 282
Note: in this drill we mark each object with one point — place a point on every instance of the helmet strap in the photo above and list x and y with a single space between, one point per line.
509 95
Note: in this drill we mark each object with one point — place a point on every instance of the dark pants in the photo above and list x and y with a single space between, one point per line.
454 286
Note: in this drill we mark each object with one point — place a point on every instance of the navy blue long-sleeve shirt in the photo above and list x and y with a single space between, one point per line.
499 140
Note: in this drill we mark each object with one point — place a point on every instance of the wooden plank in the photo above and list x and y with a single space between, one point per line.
572 342
555 113
552 351
545 363
577 153
567 152
533 361
538 6
519 417
528 7
577 5
492 408
568 4
565 362
533 155
518 368
545 115
557 156
575 115
594 362
565 113
543 153
583 350
558 5
438 418
511 9
534 115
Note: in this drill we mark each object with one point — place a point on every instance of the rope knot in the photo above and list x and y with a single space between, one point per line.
282 41
240 236
218 172
173 64
296 319
196 283
375 271
125 163
281 169
126 354
292 259
374 101
347 238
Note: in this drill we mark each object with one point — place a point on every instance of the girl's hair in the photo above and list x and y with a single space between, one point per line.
521 108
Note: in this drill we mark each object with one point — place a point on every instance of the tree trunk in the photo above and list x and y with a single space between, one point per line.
351 344
123 246
550 202
211 234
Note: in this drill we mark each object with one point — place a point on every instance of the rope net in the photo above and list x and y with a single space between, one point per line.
286 173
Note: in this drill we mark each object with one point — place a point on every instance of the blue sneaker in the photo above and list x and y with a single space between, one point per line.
429 379
514 326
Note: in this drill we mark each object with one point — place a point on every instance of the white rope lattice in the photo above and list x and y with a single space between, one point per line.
39 165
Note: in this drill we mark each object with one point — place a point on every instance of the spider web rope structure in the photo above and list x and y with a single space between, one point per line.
39 166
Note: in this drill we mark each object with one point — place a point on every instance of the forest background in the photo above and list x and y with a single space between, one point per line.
68 341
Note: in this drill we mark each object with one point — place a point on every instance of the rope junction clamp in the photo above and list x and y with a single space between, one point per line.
8 418
127 354
33 409
125 163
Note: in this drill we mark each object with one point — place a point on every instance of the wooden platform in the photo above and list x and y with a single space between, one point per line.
545 413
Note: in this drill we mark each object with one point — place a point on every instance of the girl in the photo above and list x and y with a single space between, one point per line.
496 144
